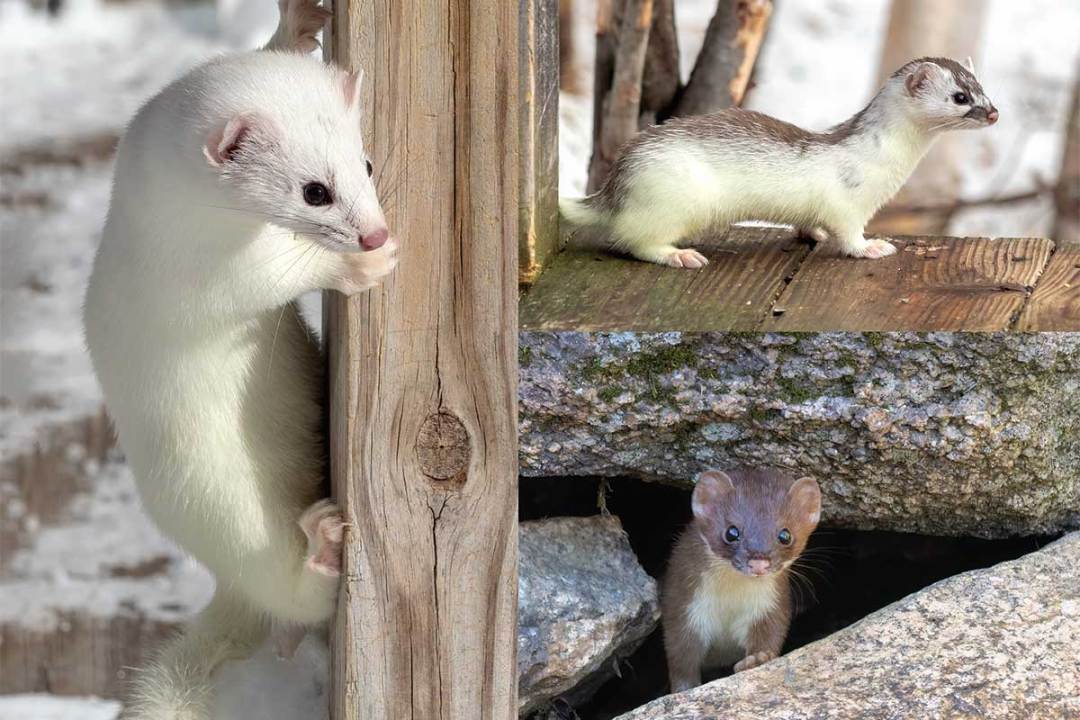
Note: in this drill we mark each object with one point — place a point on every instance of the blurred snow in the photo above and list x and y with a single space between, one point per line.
50 707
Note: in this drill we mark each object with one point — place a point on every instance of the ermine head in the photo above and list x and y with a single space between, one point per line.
944 95
759 521
300 163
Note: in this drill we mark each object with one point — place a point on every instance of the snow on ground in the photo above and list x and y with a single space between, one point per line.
819 66
50 707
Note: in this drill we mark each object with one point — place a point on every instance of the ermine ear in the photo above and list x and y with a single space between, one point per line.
710 491
804 501
352 84
223 143
918 78
970 65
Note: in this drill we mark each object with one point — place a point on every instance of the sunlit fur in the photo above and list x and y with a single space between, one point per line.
213 381
693 174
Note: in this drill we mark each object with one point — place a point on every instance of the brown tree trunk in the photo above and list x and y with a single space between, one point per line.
660 82
620 63
721 73
1067 193
568 78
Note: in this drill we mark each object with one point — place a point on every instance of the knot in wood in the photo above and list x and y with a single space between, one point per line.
442 447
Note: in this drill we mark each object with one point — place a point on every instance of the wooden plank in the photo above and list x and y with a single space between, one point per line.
949 284
1055 304
423 372
594 290
539 239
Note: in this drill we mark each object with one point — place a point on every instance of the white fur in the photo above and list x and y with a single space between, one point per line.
212 379
685 183
725 605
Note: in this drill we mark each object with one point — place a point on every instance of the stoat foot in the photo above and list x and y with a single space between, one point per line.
325 531
752 661
818 234
301 21
287 639
361 271
871 249
686 258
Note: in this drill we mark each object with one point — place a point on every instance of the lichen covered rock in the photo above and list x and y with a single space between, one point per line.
993 644
947 433
583 603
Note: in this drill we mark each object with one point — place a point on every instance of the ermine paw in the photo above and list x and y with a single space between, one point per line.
818 234
287 639
686 258
301 21
363 270
325 531
752 661
873 249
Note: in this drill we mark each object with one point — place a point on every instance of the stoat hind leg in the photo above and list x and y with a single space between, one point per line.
815 233
178 684
318 571
854 244
300 22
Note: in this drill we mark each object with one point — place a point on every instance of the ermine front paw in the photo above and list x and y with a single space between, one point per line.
686 258
752 661
363 270
872 249
325 531
301 21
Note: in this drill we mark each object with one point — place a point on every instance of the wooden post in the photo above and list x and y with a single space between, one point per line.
423 370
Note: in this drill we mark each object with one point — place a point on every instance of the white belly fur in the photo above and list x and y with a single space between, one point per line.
725 606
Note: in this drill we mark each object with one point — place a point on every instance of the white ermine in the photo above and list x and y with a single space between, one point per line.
690 174
239 187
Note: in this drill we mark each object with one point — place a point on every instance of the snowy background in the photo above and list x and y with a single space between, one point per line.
67 86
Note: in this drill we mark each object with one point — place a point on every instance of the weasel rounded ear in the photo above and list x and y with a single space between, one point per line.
917 78
969 64
352 84
804 500
710 490
225 141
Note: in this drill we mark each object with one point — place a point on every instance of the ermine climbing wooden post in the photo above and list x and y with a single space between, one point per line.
423 370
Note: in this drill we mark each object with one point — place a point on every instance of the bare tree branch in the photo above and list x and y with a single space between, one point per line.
721 74
660 83
616 106
1067 192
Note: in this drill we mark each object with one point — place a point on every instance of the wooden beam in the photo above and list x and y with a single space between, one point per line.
423 370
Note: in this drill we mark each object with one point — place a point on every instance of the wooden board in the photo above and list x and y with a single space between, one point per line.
971 284
1055 304
765 279
423 372
595 290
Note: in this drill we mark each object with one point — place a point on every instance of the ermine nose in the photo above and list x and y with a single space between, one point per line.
374 240
759 566
992 115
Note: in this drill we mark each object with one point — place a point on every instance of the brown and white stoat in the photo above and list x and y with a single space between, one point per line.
726 597
689 174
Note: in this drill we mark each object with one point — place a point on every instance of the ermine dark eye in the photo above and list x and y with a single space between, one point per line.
961 99
317 194
732 534
784 537
370 169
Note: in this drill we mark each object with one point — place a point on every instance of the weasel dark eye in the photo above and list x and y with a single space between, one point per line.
317 194
369 168
732 534
961 99
784 537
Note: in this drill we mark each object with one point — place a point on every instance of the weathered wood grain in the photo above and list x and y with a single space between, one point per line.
539 238
594 290
423 371
1055 304
957 284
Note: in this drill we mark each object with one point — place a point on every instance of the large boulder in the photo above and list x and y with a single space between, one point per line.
988 644
948 433
584 602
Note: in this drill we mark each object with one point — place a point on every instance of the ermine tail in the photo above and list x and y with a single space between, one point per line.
178 685
301 21
578 211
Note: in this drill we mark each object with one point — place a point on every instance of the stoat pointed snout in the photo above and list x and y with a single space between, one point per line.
759 566
992 115
375 239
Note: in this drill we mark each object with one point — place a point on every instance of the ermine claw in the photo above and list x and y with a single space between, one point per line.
687 258
325 531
